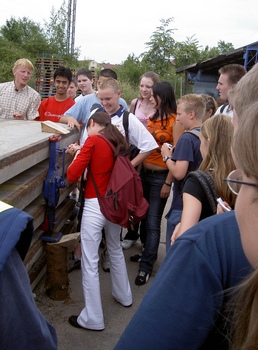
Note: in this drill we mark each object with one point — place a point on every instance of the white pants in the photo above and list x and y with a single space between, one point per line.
93 221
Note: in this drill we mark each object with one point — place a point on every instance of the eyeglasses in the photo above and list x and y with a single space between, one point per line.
235 181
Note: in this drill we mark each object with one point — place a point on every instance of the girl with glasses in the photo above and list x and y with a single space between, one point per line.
244 182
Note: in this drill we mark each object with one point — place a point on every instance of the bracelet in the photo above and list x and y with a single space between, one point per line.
168 183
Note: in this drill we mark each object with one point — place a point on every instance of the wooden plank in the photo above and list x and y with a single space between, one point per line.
49 126
23 145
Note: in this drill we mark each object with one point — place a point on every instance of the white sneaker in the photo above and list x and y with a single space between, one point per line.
127 243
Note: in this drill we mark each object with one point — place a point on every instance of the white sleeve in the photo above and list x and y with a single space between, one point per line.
139 136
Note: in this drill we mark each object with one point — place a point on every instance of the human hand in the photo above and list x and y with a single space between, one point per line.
165 151
17 115
165 191
72 122
175 233
224 206
72 149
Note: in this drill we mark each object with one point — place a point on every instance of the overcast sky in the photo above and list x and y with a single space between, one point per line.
108 31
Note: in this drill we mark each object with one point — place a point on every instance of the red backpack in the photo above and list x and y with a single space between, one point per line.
123 202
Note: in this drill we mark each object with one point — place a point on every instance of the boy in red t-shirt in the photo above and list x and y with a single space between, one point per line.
54 107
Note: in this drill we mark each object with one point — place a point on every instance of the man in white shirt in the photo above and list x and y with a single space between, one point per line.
229 76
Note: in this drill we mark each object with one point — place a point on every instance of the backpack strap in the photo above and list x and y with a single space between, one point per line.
207 184
126 124
195 132
222 108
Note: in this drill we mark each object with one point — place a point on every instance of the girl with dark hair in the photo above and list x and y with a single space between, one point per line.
156 178
98 154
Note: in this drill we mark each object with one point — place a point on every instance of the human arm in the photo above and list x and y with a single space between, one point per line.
140 137
191 213
80 161
81 110
182 155
32 111
177 132
132 105
178 169
140 158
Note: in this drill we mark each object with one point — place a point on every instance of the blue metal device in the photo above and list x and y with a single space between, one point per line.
52 185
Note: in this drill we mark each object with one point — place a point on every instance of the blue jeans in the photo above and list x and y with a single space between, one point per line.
152 182
173 218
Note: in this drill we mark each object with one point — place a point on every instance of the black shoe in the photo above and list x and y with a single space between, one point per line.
73 321
136 257
75 266
142 278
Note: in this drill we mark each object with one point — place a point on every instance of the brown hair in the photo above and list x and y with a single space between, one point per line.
219 131
234 72
109 130
245 92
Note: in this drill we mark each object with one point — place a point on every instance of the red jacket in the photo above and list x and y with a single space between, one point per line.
99 153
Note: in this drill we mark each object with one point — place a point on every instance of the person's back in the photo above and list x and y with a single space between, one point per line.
31 330
17 99
183 308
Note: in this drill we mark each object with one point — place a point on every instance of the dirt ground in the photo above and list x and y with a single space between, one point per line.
116 316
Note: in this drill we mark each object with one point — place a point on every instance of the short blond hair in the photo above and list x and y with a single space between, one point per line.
23 62
109 84
193 102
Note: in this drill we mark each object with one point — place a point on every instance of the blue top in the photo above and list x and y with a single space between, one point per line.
22 326
182 308
188 149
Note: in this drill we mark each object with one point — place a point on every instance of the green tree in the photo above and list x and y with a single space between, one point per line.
187 52
225 47
26 34
9 53
131 70
160 54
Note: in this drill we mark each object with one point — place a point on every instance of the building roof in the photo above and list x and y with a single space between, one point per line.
212 65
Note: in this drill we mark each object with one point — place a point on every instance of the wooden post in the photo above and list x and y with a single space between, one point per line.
57 282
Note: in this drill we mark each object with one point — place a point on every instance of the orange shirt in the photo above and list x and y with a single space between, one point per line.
161 134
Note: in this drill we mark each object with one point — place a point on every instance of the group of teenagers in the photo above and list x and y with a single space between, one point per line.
204 294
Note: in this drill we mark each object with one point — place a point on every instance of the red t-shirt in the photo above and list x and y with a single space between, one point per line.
51 109
97 151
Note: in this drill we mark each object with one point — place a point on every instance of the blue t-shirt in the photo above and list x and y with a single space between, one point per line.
183 308
188 149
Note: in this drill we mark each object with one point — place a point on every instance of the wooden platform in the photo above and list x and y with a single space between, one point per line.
24 162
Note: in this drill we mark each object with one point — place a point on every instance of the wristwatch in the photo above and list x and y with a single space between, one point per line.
165 158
